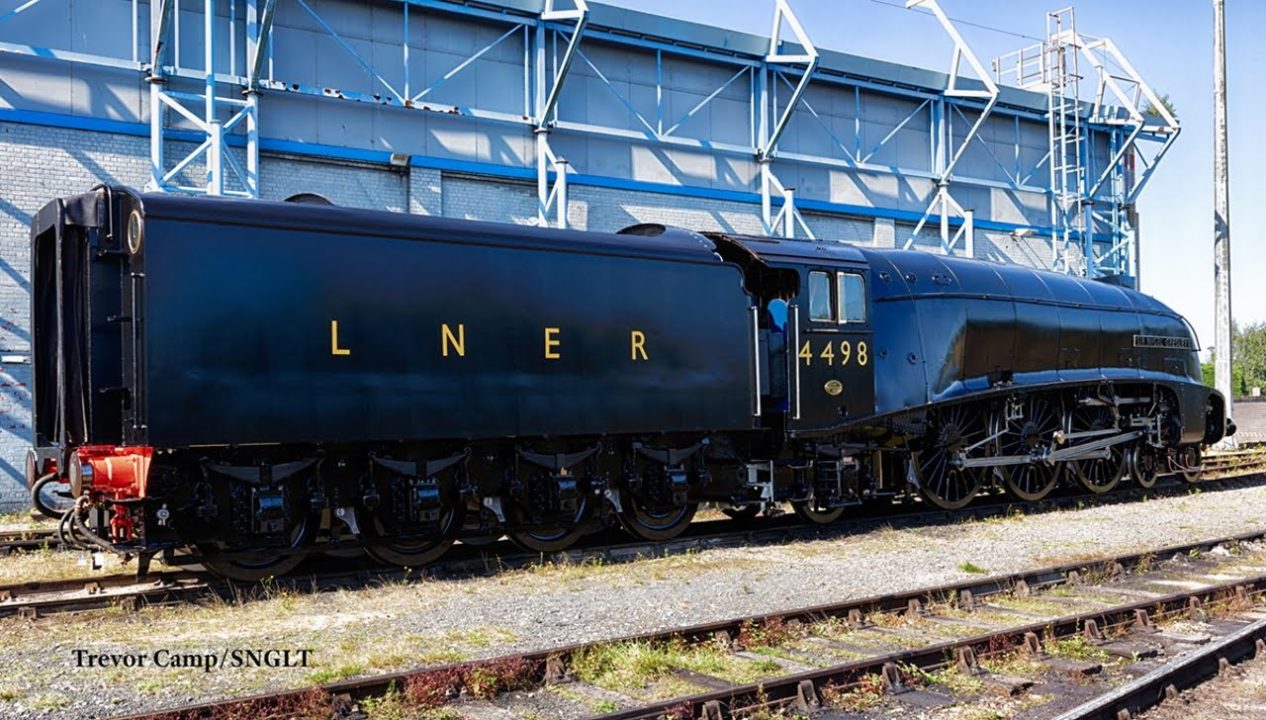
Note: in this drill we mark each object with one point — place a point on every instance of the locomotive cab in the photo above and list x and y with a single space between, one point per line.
817 344
833 350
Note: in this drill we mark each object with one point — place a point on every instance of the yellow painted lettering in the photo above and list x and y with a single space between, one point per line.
806 353
457 341
828 354
846 352
552 343
863 354
334 348
638 341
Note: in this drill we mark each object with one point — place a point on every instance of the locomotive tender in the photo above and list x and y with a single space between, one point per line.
250 380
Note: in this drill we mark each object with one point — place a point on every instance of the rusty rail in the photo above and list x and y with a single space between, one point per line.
59 596
25 540
792 688
1168 680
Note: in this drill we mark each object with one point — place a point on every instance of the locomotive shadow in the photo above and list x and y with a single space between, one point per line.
613 547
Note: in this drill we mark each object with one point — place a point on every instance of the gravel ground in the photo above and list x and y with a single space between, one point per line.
401 626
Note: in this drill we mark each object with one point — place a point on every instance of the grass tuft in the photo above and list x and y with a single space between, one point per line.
1075 647
866 694
950 678
49 701
767 633
633 666
334 674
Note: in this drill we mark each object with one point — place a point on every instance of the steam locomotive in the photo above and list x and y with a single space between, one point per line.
244 382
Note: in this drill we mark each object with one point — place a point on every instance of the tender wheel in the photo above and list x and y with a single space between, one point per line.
252 570
951 432
807 512
52 497
410 552
1037 479
1099 475
1190 463
547 540
242 570
656 524
1144 465
553 538
260 564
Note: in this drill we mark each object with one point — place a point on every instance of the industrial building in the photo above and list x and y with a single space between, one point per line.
570 113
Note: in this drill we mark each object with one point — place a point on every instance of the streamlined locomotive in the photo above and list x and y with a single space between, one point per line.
237 383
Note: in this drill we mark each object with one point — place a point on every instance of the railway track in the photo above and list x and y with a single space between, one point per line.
1233 462
1082 641
96 592
12 541
56 596
1216 466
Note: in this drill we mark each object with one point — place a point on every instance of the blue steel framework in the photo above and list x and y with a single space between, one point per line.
946 157
551 41
1136 117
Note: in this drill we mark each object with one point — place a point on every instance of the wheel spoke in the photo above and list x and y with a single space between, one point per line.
950 431
1143 464
1098 475
1034 480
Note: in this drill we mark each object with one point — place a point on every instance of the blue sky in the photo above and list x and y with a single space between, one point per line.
1170 42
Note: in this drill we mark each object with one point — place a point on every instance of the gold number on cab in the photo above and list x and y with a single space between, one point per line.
847 353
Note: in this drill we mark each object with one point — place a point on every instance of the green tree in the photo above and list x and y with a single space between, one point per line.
1149 109
1248 365
1239 385
1250 356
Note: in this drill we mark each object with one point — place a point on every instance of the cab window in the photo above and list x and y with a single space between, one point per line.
852 296
821 307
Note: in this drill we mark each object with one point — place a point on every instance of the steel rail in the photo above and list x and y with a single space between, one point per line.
1166 681
791 688
73 595
175 585
539 664
23 540
1242 463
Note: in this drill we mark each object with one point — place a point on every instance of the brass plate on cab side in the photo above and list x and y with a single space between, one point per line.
833 387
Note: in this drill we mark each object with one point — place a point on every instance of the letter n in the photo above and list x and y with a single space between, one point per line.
458 341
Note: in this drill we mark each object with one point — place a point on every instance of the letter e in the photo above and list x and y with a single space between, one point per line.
552 343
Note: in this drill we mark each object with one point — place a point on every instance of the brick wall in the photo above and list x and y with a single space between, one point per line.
38 164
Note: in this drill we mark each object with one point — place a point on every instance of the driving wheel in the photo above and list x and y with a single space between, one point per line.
951 433
1036 479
